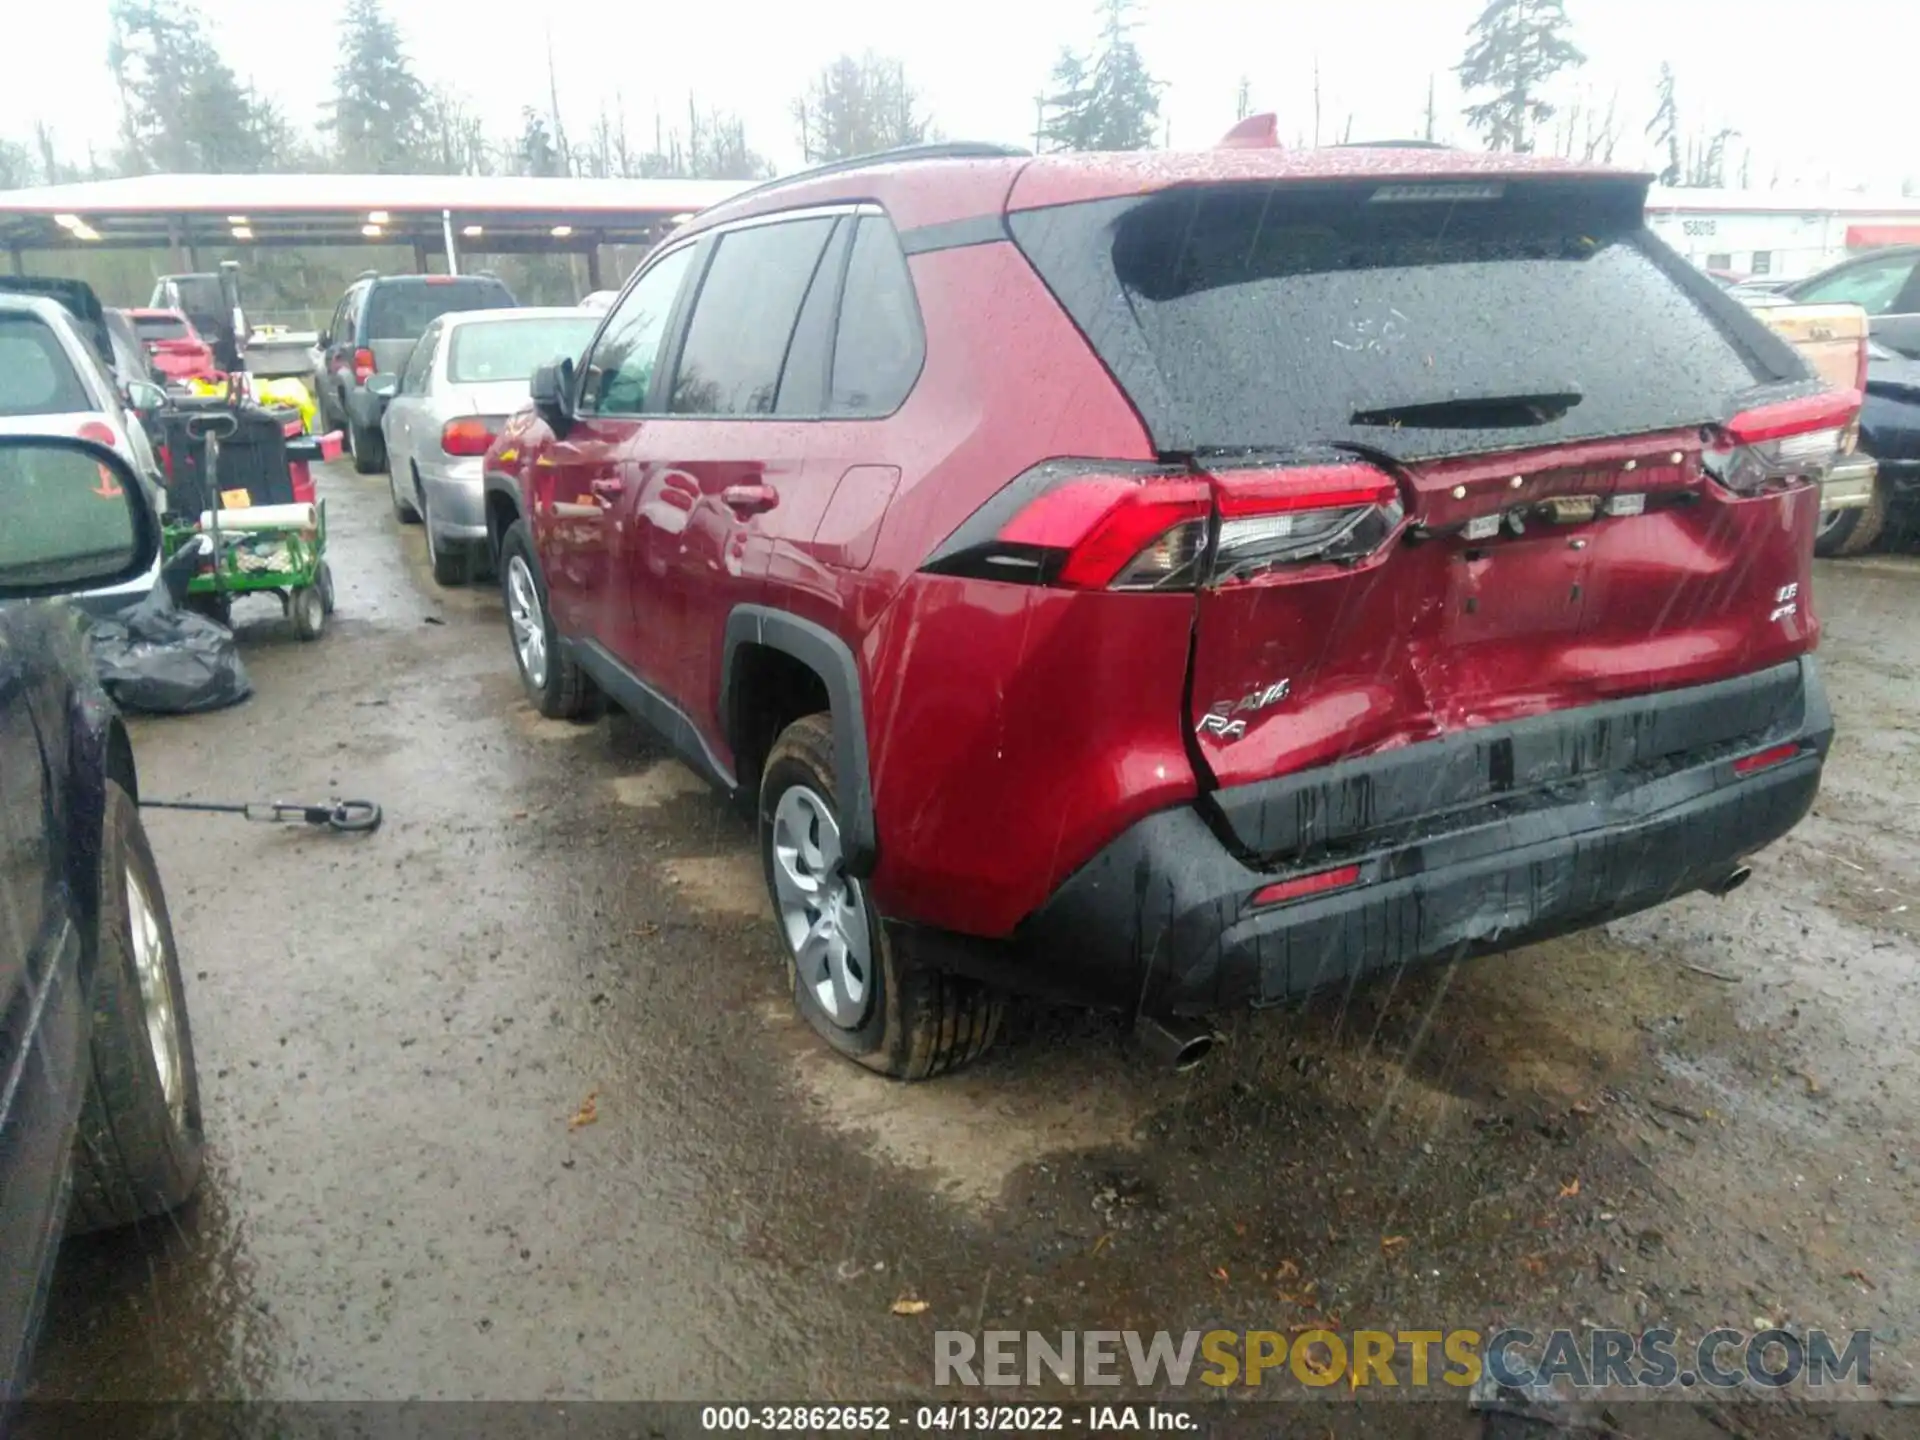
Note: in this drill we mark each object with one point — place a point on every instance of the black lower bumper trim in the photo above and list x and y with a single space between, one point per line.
1163 920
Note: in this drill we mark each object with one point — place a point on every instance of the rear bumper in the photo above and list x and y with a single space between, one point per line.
1162 920
1849 485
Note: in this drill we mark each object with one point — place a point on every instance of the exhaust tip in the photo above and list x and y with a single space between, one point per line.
1730 882
1179 1044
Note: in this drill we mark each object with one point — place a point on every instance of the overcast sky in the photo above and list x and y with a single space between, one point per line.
1819 92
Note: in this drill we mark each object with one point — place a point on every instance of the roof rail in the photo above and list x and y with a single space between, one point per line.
1393 145
942 150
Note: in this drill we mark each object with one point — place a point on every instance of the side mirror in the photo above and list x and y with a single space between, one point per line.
385 386
552 391
145 396
78 518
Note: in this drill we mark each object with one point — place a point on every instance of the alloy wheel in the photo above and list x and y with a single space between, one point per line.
527 622
822 911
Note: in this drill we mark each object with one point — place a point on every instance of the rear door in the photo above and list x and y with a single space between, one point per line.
717 474
578 480
1417 410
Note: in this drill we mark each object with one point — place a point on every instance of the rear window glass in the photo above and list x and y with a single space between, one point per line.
36 378
1271 317
160 327
401 312
513 349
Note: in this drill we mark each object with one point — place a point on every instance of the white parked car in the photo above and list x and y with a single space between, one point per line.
466 375
53 381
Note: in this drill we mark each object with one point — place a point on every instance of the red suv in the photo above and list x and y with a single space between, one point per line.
1183 581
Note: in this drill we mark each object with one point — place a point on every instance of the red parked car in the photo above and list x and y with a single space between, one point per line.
174 345
1183 581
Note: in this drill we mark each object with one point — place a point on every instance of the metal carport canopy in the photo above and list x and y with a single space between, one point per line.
490 213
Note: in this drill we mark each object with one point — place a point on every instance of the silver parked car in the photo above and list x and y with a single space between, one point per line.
466 375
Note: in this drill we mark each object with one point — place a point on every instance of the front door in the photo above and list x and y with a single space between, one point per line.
580 482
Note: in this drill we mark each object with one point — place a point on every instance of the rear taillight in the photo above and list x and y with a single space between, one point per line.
469 435
1301 515
363 365
1091 528
1774 445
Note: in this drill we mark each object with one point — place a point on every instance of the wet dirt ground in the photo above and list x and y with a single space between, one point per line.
1700 1116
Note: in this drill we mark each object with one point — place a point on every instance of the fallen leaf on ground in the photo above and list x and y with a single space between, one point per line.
1537 1264
588 1112
1581 1107
1286 1270
1219 1272
1860 1276
1570 1189
909 1305
1392 1244
1100 1244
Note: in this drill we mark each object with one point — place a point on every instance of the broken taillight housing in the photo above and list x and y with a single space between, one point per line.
1772 446
1158 529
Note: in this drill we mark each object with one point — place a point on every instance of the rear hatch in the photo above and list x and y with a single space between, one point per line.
1465 446
399 311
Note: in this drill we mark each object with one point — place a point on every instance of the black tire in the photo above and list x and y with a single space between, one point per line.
918 1022
307 608
563 692
135 1155
323 582
369 449
404 509
452 561
1854 532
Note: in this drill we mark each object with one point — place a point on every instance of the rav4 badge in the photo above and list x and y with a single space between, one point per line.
1222 719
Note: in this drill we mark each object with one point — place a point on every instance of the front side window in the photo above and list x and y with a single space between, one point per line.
742 323
620 369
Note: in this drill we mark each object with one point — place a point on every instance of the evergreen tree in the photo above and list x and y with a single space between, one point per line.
379 113
1517 46
182 108
1665 127
858 106
1107 101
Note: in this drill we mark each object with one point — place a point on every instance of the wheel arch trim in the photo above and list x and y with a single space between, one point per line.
829 657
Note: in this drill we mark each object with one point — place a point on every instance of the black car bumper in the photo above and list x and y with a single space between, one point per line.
1473 844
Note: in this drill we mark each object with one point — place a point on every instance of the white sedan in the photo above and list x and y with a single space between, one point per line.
467 374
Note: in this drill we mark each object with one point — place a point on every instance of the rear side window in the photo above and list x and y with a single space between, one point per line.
402 311
743 320
879 349
1505 316
36 377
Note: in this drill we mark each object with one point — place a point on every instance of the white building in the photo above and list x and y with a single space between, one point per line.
1778 232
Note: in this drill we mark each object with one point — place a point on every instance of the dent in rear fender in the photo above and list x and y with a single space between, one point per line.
828 656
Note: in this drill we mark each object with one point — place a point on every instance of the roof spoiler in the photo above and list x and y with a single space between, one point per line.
1256 132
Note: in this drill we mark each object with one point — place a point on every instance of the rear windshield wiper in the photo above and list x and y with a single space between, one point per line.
1476 412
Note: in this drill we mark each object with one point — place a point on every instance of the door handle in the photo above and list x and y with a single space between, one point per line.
607 489
746 500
